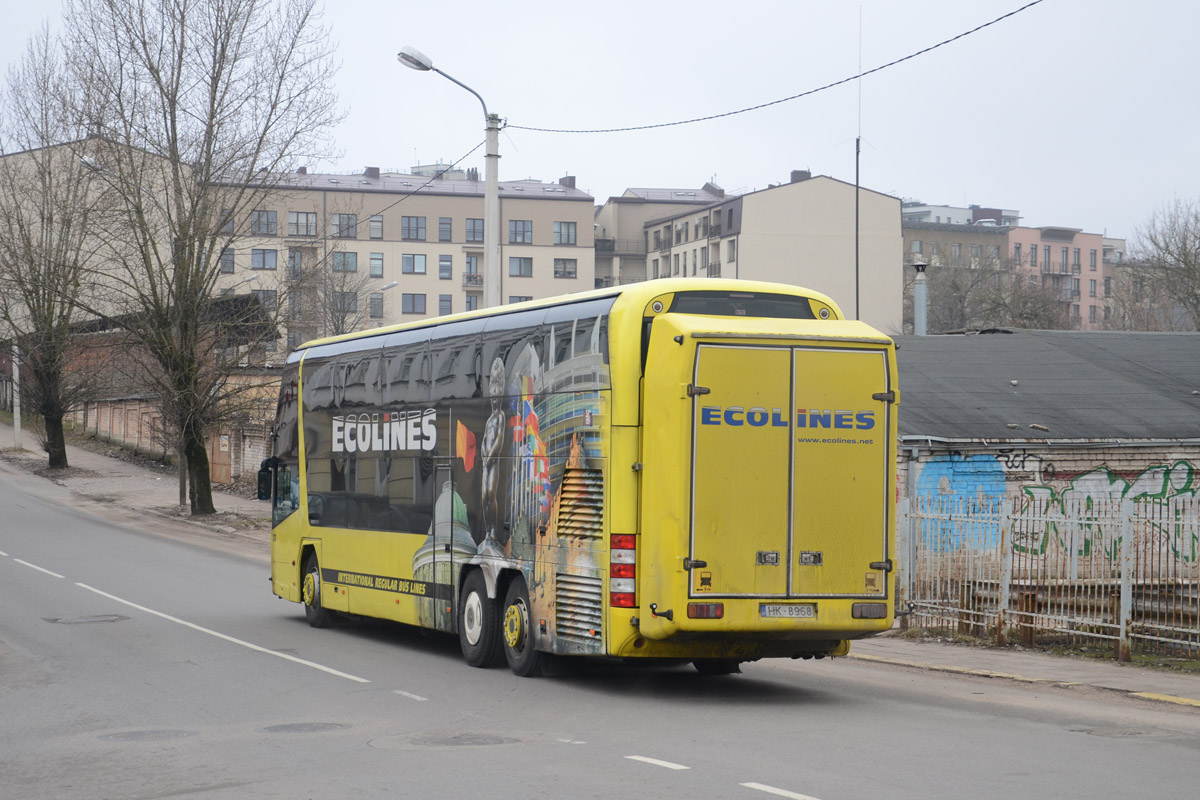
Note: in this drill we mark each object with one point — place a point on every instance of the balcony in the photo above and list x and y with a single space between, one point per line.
607 280
621 247
1068 295
714 232
472 280
714 269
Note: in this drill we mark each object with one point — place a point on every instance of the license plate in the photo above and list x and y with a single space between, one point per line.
799 610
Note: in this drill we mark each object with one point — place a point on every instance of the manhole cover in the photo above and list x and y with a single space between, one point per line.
86 620
427 741
146 736
306 727
462 740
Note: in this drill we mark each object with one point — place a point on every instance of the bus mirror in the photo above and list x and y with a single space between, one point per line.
264 483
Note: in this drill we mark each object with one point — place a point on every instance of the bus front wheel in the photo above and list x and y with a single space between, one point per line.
314 612
519 650
478 630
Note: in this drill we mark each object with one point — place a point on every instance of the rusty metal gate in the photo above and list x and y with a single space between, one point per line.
1063 571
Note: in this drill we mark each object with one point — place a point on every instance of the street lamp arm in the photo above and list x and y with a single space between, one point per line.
452 79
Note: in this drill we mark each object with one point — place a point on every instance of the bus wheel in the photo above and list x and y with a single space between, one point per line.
523 659
717 666
316 615
478 633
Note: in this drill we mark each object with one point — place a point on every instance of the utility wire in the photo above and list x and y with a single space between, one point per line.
783 99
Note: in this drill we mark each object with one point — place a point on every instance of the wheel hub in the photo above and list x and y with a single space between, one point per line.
516 623
473 618
311 589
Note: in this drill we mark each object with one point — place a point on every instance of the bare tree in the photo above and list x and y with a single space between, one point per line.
196 106
45 209
1167 248
987 292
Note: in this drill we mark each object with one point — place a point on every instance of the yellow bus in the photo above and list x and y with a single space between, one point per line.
682 469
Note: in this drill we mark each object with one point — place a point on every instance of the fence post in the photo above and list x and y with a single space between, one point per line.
1126 575
1006 526
903 556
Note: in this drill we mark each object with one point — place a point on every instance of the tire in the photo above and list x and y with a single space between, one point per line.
717 666
317 615
478 629
518 633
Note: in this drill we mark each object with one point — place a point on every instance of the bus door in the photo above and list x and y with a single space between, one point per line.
451 545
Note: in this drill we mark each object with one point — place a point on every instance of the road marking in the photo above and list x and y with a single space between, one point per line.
3 554
231 639
657 763
39 569
410 695
762 787
1167 698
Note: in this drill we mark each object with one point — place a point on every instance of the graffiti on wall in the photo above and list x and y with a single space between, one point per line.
1054 507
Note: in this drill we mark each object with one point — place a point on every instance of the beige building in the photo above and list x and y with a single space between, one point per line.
621 238
345 252
802 232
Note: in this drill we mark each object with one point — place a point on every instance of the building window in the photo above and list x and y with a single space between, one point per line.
227 260
1075 263
1046 256
565 267
976 250
412 228
731 250
1108 287
1017 252
474 230
375 305
445 229
344 262
262 259
412 303
1092 260
675 264
1107 313
915 247
520 267
654 268
994 252
472 265
412 264
445 267
1092 287
376 265
444 304
518 298
520 231
263 223
375 227
1033 255
267 297
345 302
729 221
1075 310
226 220
295 305
295 263
302 223
472 303
564 233
1091 313
344 226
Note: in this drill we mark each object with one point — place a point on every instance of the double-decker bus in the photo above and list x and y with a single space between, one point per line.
682 469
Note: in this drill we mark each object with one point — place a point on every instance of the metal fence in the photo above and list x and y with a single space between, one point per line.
1056 570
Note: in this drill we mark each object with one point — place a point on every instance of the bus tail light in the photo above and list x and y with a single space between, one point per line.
622 571
706 610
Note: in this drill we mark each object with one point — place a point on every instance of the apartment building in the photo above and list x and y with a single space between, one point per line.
346 252
802 232
916 211
621 239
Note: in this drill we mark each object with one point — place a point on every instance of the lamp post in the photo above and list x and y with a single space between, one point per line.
414 59
920 300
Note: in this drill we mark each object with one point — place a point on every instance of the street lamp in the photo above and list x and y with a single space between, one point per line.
414 59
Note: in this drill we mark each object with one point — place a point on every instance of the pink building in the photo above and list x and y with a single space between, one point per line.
1068 260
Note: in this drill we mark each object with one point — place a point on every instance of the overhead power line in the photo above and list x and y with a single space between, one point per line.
827 86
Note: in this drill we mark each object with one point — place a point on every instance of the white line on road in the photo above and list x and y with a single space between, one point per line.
3 554
410 695
39 569
762 787
657 763
196 627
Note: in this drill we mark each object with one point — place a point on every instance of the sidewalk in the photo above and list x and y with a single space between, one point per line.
105 479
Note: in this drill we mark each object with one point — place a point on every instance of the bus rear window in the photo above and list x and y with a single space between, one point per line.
742 304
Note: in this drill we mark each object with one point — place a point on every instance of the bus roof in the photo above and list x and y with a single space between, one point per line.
639 293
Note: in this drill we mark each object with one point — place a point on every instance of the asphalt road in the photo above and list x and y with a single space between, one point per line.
140 665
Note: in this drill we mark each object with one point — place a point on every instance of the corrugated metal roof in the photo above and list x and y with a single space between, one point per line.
1075 385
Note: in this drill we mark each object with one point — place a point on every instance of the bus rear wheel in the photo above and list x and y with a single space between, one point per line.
519 650
317 616
478 630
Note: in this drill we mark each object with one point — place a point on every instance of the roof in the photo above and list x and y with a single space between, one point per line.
411 184
670 195
1097 385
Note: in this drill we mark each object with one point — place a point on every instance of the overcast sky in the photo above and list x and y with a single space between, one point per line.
1080 113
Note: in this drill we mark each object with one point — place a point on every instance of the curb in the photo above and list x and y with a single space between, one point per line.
983 673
